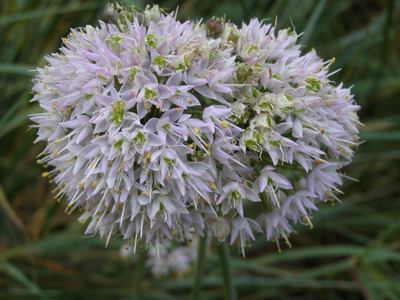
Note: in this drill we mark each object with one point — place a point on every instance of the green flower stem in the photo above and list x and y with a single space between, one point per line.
198 271
226 268
138 274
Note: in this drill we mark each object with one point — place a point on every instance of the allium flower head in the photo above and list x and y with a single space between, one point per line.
158 129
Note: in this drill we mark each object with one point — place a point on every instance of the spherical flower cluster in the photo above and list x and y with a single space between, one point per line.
158 129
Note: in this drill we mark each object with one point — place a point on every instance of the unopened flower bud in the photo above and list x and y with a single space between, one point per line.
221 229
240 112
113 42
264 120
283 102
152 15
215 28
243 72
111 12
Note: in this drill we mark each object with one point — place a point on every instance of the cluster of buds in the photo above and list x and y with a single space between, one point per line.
157 129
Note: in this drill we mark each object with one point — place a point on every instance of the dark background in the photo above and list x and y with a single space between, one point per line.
353 252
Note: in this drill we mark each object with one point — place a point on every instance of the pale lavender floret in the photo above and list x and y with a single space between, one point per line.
275 225
235 193
243 229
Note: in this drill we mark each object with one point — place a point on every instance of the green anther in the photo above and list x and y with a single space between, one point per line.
115 38
255 93
139 139
275 143
118 144
113 42
149 94
251 144
252 48
235 196
313 84
253 140
243 72
265 105
132 72
276 76
160 61
167 127
169 161
128 15
118 112
151 40
184 65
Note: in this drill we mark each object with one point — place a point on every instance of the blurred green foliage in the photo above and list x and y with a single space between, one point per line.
353 252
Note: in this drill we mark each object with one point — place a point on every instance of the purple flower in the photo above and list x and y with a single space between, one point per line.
157 130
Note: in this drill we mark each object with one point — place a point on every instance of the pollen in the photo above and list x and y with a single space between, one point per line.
45 174
95 184
224 124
